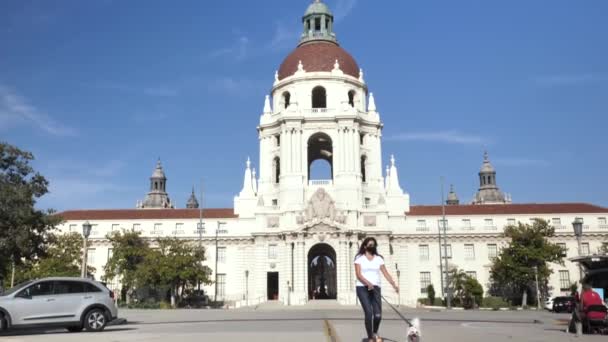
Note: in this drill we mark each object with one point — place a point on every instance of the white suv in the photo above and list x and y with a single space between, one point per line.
73 303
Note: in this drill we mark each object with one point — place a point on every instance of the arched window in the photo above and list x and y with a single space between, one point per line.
320 157
363 161
277 169
351 98
155 185
319 98
286 99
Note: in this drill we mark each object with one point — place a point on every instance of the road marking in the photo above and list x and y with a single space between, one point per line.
330 331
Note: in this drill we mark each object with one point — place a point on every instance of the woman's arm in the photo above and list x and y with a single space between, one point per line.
389 278
361 277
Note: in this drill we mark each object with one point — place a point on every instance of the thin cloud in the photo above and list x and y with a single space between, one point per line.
449 137
233 85
344 8
284 36
521 162
154 91
238 50
568 79
15 109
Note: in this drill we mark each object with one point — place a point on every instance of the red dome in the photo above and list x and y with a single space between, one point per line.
319 56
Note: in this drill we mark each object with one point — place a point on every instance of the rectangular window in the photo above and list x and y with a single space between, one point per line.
466 224
158 227
179 229
492 251
488 222
469 252
136 227
585 248
511 222
272 251
221 254
421 226
563 247
115 227
94 230
564 280
446 251
425 281
73 228
90 256
472 274
221 286
424 252
556 222
110 253
601 221
443 225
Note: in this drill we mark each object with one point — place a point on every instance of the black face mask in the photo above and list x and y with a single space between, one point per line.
371 249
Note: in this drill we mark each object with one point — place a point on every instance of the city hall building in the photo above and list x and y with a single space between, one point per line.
293 239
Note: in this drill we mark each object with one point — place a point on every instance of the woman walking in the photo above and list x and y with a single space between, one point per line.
368 265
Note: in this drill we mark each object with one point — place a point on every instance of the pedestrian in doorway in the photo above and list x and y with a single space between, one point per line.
368 265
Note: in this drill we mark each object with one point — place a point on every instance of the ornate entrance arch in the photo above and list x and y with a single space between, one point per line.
322 272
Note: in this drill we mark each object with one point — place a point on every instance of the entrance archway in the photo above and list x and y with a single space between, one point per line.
322 272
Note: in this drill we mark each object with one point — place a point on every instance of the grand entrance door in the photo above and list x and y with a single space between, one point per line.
272 285
322 274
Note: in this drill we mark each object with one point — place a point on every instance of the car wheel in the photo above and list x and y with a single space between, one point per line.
75 328
3 322
95 320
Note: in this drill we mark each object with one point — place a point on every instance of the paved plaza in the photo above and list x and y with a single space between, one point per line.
316 323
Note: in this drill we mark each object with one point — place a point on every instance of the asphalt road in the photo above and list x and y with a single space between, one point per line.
338 324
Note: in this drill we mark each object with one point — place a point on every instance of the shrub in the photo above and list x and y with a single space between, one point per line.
430 292
495 303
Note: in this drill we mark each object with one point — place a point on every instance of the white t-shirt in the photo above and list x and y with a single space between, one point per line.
370 269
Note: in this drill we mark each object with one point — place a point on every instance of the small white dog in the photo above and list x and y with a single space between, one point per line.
413 333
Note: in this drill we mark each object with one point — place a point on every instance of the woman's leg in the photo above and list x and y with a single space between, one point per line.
364 299
376 301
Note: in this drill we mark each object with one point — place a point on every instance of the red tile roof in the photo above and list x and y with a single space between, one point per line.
508 209
318 56
145 214
415 210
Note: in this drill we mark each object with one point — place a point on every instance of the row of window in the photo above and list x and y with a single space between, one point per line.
466 223
446 251
319 98
425 279
157 228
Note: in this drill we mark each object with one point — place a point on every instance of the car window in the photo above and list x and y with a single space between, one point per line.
16 288
88 287
68 287
43 288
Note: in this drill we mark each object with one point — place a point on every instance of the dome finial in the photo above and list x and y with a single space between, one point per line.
361 76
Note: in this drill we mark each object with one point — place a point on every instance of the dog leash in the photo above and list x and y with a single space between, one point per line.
395 309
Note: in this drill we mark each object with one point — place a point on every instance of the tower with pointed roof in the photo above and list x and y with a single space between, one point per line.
192 201
452 197
488 192
157 197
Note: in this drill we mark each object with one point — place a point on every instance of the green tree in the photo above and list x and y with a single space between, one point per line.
63 259
467 291
174 265
430 293
24 230
512 272
129 251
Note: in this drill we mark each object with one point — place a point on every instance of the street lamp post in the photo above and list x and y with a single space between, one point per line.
399 285
577 225
247 287
86 231
200 228
217 232
537 288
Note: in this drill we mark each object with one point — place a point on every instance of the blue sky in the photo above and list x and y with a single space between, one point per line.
98 90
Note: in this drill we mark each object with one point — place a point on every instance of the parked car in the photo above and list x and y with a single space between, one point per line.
563 304
73 303
549 304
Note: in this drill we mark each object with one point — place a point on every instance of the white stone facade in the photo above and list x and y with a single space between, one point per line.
281 214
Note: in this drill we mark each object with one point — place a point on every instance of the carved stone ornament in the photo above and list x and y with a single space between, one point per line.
369 221
320 207
273 222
